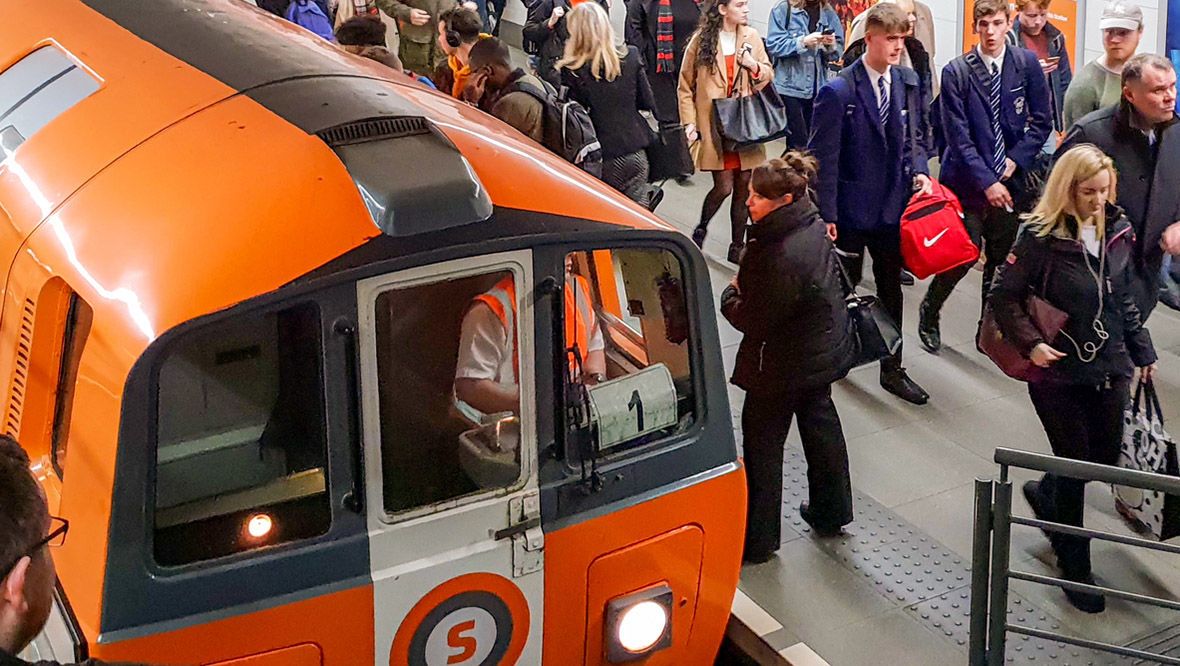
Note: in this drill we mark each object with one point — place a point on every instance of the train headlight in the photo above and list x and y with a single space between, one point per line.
638 624
259 526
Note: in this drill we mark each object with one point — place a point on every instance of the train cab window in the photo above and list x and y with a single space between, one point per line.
633 357
35 90
241 454
447 368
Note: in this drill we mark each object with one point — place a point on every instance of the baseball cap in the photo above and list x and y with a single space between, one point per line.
1120 14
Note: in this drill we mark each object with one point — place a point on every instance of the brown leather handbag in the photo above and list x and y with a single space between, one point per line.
1049 320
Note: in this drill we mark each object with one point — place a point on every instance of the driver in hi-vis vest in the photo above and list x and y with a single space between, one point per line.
486 375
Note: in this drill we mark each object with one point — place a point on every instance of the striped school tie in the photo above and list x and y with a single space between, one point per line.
999 155
882 102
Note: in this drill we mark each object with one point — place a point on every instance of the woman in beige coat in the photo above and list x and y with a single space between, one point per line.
725 54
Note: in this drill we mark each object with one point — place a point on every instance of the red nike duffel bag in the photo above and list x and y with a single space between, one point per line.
933 238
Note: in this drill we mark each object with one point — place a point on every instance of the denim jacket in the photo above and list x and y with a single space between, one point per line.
799 71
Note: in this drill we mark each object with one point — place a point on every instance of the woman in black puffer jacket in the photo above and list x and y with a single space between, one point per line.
788 302
1075 252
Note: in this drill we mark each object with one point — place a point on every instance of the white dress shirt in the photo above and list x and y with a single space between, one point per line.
998 60
874 75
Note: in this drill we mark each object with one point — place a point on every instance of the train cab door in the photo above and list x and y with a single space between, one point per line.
448 418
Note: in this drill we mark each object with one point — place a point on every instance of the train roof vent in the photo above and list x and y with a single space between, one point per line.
377 128
412 178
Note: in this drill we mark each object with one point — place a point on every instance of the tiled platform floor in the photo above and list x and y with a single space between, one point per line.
917 465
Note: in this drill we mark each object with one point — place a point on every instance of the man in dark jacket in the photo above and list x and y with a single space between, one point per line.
788 303
867 133
995 120
27 576
1142 135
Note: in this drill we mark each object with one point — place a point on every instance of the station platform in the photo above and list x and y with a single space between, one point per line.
895 588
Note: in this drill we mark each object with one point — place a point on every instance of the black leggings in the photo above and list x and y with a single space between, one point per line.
726 183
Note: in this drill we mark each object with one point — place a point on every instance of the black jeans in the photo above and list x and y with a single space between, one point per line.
664 89
766 422
885 247
798 120
1082 423
996 228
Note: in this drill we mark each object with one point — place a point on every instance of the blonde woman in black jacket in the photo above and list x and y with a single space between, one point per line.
1075 252
613 87
788 303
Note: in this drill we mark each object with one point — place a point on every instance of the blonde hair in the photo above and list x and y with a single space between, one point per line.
1076 166
907 6
592 40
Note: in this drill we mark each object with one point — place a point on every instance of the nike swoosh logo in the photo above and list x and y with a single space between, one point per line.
929 242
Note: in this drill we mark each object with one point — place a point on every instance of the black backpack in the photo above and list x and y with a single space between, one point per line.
567 130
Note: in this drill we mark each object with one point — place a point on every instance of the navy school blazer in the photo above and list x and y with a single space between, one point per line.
865 170
965 105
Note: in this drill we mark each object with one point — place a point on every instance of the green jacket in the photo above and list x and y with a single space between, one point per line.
421 34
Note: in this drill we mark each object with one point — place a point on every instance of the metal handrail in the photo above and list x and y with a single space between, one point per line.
1088 471
991 554
1096 534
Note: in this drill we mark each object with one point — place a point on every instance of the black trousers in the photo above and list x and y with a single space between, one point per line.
1082 423
798 120
664 88
766 422
996 228
885 247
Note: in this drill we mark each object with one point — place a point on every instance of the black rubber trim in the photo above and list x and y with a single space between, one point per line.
81 647
222 39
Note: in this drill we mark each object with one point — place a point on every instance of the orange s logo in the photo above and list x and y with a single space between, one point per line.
467 645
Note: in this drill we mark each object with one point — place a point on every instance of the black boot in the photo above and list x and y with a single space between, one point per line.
1087 602
1042 508
895 380
698 236
736 250
819 527
928 333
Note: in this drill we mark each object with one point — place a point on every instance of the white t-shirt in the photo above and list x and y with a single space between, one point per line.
728 43
485 352
1090 238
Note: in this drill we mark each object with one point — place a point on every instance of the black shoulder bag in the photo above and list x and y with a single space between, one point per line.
749 120
877 335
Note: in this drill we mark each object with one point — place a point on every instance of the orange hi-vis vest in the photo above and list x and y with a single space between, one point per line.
579 316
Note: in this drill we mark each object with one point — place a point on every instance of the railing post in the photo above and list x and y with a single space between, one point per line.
998 598
980 566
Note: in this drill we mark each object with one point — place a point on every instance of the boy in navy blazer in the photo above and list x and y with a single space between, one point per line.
866 132
995 86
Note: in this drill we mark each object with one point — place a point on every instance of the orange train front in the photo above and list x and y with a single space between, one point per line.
241 269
